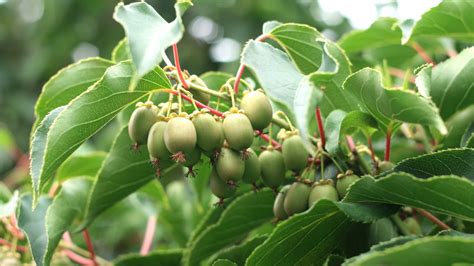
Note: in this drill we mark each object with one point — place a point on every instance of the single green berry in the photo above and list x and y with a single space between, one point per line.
238 131
385 166
219 187
272 168
278 205
381 230
140 122
413 226
322 190
296 199
192 158
294 153
258 109
229 166
180 137
252 168
343 183
156 142
208 130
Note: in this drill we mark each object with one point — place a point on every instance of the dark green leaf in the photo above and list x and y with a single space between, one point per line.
212 217
366 212
121 51
240 253
357 120
81 165
459 162
224 262
156 258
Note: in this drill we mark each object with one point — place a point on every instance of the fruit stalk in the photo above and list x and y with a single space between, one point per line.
148 239
421 52
433 219
178 67
388 140
320 127
90 247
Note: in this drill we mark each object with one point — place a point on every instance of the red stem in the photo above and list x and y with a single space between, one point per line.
388 141
433 219
400 74
371 148
238 76
350 143
3 242
77 258
265 137
148 239
320 127
422 53
178 66
90 247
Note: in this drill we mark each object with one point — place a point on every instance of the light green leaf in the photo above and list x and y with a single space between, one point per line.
459 162
391 105
148 34
451 18
214 79
81 165
357 120
84 116
9 208
383 32
69 83
301 42
423 80
239 253
245 213
445 250
332 126
458 126
269 26
450 195
452 83
157 258
121 51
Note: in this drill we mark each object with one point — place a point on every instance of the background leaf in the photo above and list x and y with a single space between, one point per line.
81 165
239 253
121 51
459 125
158 258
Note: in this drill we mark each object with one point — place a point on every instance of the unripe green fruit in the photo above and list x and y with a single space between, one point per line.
258 109
156 142
238 131
140 122
385 166
278 205
208 130
229 166
192 157
380 231
413 226
323 190
296 199
180 135
219 187
272 168
252 168
294 153
343 184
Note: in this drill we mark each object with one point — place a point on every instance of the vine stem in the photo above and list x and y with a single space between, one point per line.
421 52
433 219
4 242
90 247
178 66
372 152
78 258
148 239
238 76
388 145
396 72
320 127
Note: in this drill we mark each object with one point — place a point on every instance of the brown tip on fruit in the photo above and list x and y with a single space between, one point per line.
245 154
158 172
275 190
155 162
232 184
190 172
255 188
179 157
220 203
275 220
135 147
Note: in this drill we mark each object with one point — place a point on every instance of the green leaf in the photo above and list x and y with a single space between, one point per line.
239 253
32 223
358 120
391 105
445 250
157 258
301 43
306 238
383 32
366 212
84 116
123 172
332 126
69 83
9 208
121 51
470 142
211 217
224 262
452 82
148 34
269 26
81 165
245 213
458 126
423 80
459 162
451 18
450 195
214 79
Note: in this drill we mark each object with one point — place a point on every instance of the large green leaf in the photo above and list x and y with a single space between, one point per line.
439 250
332 126
148 34
239 253
156 258
306 238
383 32
452 83
81 165
301 44
451 18
459 162
123 172
68 83
391 105
450 195
121 51
245 213
458 126
84 116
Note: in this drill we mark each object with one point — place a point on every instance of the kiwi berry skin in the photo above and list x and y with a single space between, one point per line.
229 165
180 135
208 131
219 187
385 166
380 231
413 226
156 142
272 168
140 122
296 199
192 157
294 153
278 205
322 191
258 109
343 183
252 168
238 131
